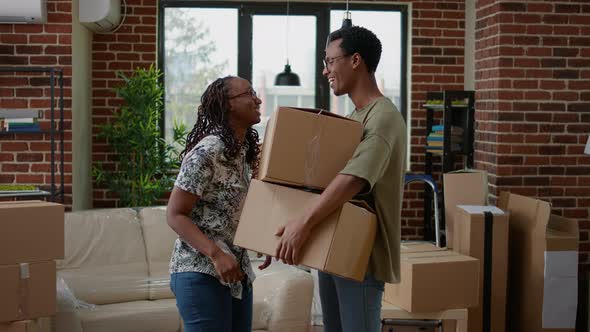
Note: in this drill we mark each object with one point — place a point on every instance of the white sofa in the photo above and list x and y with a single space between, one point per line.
117 261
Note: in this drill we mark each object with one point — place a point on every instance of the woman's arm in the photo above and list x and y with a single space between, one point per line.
179 207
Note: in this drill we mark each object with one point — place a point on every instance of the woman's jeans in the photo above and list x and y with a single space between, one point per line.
205 305
350 306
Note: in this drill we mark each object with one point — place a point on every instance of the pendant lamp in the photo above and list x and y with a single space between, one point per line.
287 77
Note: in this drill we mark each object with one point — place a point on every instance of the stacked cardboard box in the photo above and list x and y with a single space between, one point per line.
31 239
306 149
482 232
465 187
434 279
533 254
32 325
543 277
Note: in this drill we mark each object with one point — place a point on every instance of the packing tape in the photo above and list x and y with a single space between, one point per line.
23 291
312 151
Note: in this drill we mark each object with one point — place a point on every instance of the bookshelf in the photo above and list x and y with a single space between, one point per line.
449 137
24 122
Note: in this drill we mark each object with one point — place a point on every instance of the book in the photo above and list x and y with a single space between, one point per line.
20 113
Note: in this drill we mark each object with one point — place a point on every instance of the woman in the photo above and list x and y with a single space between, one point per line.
212 278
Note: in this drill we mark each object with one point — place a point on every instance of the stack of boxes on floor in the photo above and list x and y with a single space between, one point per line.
528 257
303 150
31 239
526 262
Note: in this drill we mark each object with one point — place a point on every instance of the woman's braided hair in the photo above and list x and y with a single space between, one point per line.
213 118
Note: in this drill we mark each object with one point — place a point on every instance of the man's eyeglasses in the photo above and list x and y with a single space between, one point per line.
250 92
330 61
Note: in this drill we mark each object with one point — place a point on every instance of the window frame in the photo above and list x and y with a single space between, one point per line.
319 9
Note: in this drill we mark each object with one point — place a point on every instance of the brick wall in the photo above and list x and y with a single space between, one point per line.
133 45
533 102
25 158
438 40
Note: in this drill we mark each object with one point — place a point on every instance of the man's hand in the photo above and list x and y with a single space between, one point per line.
293 237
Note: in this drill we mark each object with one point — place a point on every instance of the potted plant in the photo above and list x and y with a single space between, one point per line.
144 160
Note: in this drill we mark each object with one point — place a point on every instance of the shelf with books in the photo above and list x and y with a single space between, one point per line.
450 124
17 122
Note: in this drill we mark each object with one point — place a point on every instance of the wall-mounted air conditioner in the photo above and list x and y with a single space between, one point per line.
23 11
100 15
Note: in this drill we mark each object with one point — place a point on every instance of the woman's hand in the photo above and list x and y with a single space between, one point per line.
227 267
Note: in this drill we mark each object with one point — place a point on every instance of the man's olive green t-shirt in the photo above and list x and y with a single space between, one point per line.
380 159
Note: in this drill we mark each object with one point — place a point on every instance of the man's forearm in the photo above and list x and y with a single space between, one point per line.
342 189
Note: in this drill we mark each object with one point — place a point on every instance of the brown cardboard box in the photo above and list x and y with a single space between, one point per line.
542 293
435 280
35 325
28 290
469 240
467 187
31 231
339 245
407 247
304 147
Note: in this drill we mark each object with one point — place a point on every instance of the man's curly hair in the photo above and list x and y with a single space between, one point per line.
359 40
213 118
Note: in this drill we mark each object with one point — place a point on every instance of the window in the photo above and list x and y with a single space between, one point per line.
200 45
201 40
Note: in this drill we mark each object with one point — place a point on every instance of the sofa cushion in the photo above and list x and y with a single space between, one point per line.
159 241
105 258
136 316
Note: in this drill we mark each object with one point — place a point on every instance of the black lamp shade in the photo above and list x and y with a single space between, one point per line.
287 77
346 23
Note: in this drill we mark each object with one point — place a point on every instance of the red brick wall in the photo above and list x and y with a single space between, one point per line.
438 40
24 158
133 45
533 93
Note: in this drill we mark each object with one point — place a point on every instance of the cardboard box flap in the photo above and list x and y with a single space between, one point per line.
343 241
526 214
317 111
418 246
27 204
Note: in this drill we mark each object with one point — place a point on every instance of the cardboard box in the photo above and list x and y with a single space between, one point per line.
470 239
407 247
36 325
466 187
340 245
307 147
28 291
435 280
543 270
31 231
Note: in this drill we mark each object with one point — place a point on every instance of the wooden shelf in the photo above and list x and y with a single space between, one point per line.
24 193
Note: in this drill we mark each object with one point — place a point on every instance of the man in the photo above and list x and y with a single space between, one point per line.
375 172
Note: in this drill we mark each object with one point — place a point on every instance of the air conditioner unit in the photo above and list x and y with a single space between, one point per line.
100 15
23 11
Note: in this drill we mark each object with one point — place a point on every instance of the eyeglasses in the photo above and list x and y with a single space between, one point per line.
330 61
249 92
